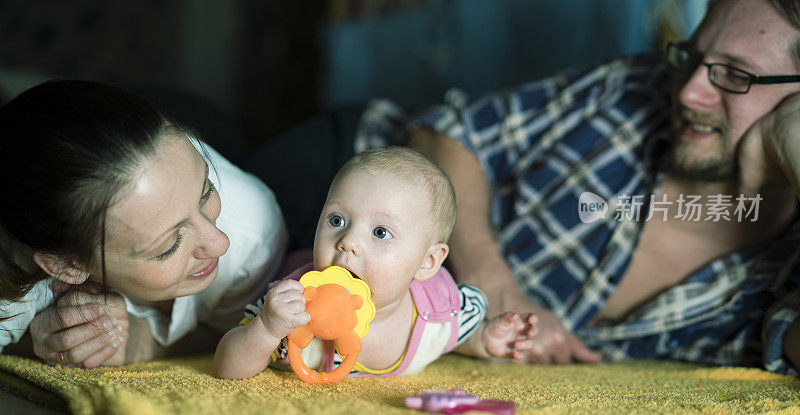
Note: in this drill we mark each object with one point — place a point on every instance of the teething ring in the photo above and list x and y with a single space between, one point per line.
312 376
340 309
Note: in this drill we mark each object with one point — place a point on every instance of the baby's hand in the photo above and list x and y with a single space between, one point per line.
284 309
509 335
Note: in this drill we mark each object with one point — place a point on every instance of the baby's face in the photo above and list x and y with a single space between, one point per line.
377 226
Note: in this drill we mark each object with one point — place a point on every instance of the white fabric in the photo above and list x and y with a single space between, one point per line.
37 299
252 220
432 343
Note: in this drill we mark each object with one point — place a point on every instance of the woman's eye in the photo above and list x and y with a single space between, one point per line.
336 221
171 250
208 193
381 233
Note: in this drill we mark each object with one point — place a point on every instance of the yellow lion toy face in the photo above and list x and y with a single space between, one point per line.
340 276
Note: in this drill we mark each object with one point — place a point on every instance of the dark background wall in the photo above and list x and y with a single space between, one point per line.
269 63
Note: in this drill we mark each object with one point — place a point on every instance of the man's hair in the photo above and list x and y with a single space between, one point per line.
789 10
415 167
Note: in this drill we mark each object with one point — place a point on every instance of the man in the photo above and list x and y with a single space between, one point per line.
535 170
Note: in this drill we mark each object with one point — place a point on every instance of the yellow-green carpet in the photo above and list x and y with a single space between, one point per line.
187 386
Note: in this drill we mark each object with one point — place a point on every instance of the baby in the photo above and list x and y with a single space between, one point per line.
387 218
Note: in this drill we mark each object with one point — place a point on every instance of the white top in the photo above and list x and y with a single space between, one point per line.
252 220
23 310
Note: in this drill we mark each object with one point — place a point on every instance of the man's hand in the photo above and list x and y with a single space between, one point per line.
552 343
85 328
769 152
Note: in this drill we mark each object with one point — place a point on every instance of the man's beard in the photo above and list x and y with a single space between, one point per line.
717 168
679 158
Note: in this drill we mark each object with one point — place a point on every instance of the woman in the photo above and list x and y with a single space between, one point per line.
120 209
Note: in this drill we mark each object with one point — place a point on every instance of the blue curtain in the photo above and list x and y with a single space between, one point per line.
481 45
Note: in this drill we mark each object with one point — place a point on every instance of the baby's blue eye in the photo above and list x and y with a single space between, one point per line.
336 221
381 233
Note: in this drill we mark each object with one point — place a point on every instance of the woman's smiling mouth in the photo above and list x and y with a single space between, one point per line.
206 271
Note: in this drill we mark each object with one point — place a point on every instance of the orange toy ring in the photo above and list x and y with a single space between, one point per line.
312 376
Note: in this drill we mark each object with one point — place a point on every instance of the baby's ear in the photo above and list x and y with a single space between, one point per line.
432 261
60 268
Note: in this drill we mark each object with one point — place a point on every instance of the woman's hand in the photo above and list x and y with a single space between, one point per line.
85 327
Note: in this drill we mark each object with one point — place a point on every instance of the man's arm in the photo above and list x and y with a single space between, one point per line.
791 344
769 158
475 259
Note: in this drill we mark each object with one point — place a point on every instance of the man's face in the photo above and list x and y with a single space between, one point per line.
708 122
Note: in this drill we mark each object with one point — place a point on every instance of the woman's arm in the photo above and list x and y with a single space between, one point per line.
88 328
141 346
85 327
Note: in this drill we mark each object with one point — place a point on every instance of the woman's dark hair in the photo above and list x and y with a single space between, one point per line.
66 149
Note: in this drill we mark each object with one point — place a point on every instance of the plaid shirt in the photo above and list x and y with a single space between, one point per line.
545 143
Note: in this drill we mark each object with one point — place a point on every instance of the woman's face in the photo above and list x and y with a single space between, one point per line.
162 241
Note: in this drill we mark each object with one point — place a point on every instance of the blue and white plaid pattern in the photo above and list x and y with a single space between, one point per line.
602 130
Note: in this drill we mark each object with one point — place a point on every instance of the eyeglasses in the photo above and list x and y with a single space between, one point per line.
734 80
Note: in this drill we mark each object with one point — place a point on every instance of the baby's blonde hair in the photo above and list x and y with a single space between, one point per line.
416 167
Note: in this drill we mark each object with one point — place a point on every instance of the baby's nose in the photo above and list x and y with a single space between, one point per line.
349 243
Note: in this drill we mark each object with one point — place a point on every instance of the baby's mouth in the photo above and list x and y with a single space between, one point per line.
349 270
